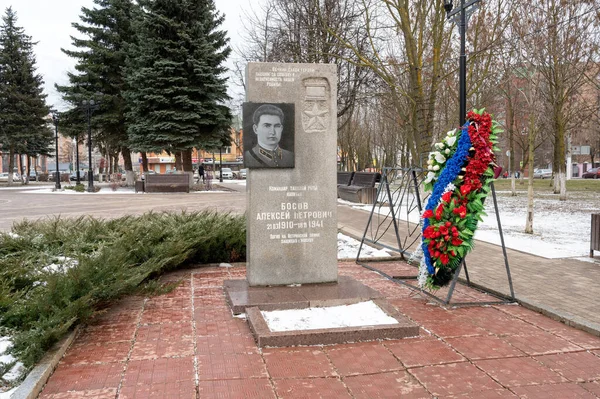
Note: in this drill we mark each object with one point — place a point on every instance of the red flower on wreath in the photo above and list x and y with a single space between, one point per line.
428 232
444 258
461 211
465 189
427 214
439 211
446 197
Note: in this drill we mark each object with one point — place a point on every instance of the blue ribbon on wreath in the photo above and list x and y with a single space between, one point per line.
448 175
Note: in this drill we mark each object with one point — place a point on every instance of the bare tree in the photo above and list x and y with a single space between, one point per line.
558 38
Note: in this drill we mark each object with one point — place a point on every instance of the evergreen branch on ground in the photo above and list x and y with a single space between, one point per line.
59 272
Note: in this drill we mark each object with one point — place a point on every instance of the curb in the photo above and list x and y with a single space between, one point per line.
564 317
31 387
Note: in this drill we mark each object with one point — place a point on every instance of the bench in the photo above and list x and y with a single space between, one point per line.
344 178
172 183
362 188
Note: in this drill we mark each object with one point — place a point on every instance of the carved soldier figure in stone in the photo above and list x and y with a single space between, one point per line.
268 126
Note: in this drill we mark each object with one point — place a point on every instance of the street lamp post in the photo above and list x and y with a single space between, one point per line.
55 119
91 106
77 158
462 25
220 164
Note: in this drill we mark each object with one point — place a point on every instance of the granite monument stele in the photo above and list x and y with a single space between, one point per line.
290 144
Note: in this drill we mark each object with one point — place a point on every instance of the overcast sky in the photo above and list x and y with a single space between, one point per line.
48 22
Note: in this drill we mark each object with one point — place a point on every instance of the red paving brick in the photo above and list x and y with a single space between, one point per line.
417 352
311 388
454 379
397 384
174 389
362 358
519 371
158 371
487 394
187 343
484 347
297 362
107 393
90 353
231 326
163 340
576 367
456 328
593 387
221 366
236 389
84 377
108 333
226 343
541 344
558 391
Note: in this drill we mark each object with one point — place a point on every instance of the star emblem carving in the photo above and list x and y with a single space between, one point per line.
315 118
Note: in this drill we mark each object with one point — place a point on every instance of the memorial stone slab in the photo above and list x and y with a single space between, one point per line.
291 180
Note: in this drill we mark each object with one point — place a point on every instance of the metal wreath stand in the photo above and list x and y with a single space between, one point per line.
407 196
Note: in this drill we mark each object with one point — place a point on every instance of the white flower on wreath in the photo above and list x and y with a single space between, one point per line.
451 132
447 151
439 157
430 177
450 140
449 187
439 146
436 167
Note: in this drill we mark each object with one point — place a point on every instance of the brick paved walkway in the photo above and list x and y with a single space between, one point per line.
186 344
568 288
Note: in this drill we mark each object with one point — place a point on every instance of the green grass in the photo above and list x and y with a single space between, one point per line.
545 185
114 258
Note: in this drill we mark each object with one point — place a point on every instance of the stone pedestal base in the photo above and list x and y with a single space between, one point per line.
251 300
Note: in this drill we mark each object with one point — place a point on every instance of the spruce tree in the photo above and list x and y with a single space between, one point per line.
175 77
22 103
106 32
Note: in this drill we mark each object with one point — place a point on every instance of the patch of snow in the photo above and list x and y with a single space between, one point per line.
561 228
15 372
348 248
225 265
13 235
63 263
355 315
7 394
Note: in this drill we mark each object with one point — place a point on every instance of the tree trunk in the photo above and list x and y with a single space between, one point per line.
513 185
129 173
27 168
186 159
563 186
144 161
531 139
11 164
178 160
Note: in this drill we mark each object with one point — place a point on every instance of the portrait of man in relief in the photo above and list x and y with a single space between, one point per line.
268 135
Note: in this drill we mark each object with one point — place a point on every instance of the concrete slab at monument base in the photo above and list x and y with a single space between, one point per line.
251 300
345 292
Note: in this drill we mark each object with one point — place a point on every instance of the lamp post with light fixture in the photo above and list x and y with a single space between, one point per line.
90 106
55 119
462 26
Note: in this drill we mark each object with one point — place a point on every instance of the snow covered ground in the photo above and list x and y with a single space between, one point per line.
561 228
358 314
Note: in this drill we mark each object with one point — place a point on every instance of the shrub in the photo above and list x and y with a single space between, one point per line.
95 262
